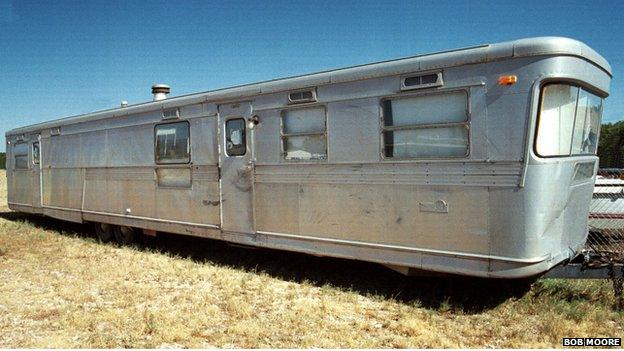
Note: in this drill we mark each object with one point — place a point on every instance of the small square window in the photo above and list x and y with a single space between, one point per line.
173 143
235 137
303 134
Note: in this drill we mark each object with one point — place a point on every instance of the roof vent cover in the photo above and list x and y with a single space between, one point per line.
422 81
298 97
160 91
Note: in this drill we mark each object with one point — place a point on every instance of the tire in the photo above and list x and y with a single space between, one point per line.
125 235
104 232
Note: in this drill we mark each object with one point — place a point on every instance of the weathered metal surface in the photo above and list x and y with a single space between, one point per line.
506 213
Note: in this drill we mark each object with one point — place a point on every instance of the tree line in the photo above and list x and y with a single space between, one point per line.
611 145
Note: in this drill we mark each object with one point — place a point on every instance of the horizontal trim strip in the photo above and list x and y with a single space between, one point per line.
18 204
201 225
61 208
409 249
497 174
152 219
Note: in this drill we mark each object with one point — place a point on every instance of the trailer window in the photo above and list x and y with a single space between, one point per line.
36 153
426 126
568 122
173 143
20 156
304 134
235 137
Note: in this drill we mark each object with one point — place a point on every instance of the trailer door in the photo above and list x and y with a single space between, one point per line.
235 160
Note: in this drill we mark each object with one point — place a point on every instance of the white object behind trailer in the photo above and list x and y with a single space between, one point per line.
479 161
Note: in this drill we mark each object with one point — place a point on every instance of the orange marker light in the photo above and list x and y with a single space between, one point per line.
507 80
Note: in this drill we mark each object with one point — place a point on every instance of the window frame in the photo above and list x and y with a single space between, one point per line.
14 155
225 129
285 136
580 86
383 128
190 145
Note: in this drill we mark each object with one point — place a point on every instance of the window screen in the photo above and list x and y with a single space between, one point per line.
426 126
36 153
569 121
235 138
173 143
303 134
20 156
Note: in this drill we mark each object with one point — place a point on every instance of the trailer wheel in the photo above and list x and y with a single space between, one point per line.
125 235
104 232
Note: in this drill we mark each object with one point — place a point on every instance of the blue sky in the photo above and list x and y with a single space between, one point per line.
62 58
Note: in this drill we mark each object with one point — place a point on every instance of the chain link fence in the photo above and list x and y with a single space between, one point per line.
606 217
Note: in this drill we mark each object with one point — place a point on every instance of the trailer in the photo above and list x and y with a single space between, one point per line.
478 161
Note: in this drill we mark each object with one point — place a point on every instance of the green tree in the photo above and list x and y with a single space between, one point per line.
611 145
2 160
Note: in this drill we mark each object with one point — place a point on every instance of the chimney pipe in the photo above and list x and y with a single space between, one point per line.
160 91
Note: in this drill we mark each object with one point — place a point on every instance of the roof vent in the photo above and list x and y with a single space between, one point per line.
124 103
422 81
302 96
160 91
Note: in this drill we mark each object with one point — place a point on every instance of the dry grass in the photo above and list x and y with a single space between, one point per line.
59 288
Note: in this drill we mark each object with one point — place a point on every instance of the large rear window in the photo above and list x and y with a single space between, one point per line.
568 122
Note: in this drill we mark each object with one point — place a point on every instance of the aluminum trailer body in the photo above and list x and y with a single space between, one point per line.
452 162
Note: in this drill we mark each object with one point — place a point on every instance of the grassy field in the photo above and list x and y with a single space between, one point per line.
60 288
